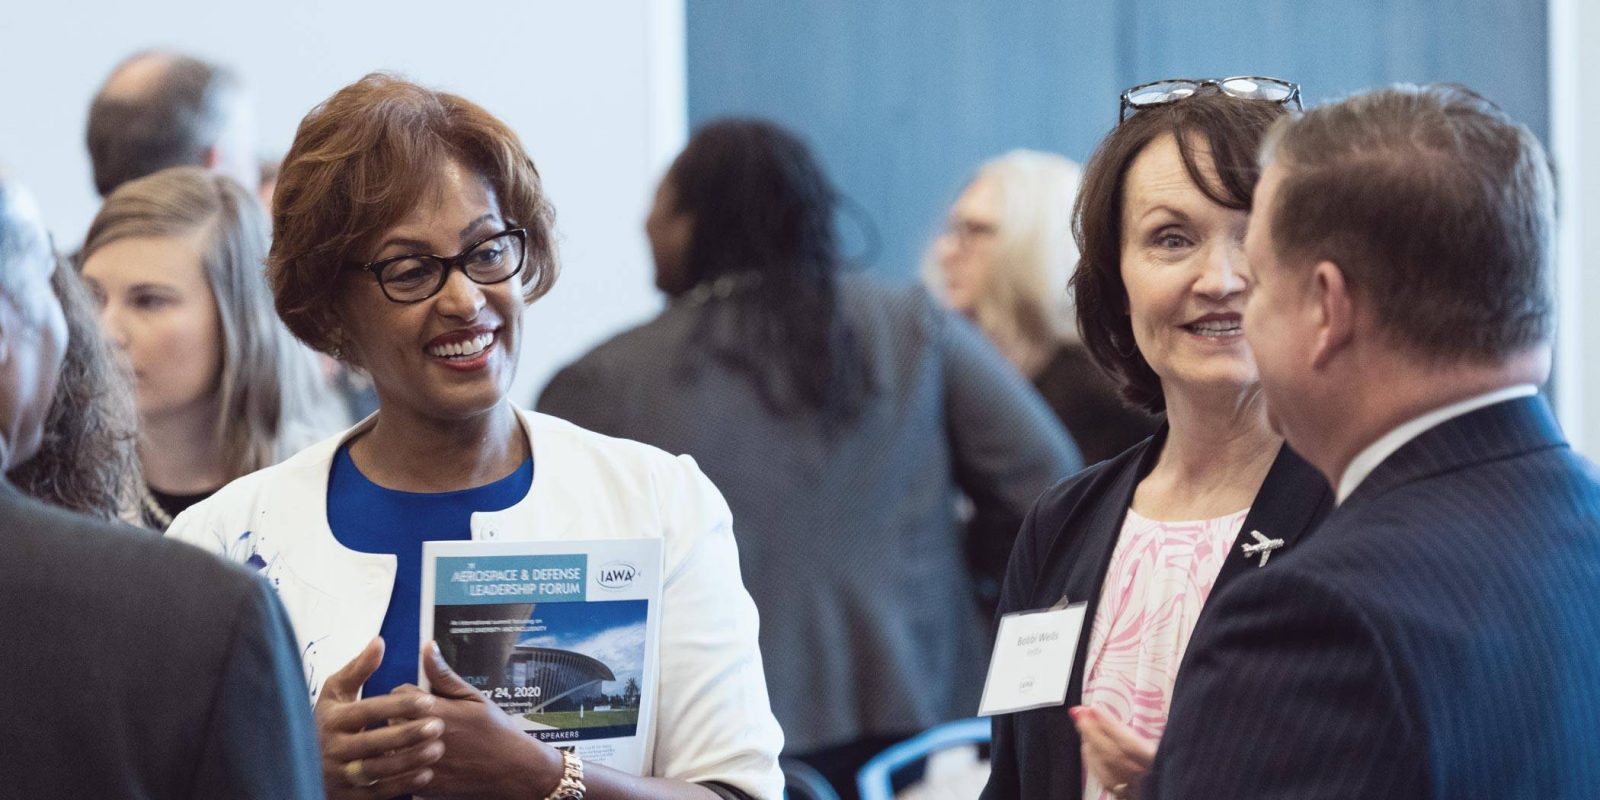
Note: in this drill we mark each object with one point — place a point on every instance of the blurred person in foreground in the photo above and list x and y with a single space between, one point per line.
1144 539
88 461
1440 637
839 417
134 667
411 232
1003 262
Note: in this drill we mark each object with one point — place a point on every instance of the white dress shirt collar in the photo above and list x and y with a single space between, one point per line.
1368 460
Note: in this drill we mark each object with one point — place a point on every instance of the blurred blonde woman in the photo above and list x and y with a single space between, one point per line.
175 261
1003 261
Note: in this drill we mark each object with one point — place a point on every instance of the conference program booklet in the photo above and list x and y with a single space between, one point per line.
562 635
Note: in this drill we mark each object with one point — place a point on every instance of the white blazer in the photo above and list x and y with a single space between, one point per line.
712 720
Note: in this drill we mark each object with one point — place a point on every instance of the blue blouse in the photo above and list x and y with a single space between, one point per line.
372 519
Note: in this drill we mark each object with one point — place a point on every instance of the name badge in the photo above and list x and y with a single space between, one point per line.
1032 660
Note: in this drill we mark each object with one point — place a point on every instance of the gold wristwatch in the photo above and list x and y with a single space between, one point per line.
571 785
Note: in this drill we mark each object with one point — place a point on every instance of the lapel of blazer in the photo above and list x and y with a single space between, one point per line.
1104 524
1292 501
1487 434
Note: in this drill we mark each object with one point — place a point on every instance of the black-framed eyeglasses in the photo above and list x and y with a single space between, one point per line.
1244 87
415 277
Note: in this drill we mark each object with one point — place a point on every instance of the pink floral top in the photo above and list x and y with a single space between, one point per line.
1160 576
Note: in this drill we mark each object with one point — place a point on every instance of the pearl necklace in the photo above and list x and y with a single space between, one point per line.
155 512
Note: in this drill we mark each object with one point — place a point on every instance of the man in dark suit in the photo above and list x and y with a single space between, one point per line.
1440 636
132 666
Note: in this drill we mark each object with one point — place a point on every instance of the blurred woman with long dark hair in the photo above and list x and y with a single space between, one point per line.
839 417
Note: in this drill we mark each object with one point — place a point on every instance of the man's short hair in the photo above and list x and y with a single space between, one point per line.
1438 208
171 124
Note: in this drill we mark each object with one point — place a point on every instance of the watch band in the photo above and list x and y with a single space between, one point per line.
571 786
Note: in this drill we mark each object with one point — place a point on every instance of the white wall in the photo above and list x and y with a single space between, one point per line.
595 90
1575 117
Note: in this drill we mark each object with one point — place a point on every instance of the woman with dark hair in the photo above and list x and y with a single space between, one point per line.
89 459
772 213
1144 538
411 231
839 417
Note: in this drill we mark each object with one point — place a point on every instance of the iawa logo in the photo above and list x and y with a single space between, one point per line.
617 575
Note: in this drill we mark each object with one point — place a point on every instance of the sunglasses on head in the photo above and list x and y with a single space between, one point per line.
1245 87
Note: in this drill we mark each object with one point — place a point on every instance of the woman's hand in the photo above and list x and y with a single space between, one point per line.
384 762
1116 756
485 754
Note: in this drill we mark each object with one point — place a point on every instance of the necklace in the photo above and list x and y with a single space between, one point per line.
155 512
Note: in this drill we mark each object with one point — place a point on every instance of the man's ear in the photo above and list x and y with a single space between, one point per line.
211 157
1335 310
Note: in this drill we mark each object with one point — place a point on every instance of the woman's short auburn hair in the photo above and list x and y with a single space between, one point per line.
360 162
1230 131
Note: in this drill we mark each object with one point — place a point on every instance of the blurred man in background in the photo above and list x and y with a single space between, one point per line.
160 110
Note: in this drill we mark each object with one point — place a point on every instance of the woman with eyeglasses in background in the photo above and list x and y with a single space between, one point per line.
1003 261
174 261
411 230
1144 538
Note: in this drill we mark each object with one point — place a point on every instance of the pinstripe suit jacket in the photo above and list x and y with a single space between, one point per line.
1439 637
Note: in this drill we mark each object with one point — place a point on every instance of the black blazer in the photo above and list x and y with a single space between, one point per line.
138 667
1065 549
1440 637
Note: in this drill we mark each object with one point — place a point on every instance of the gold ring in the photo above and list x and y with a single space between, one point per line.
1120 791
356 776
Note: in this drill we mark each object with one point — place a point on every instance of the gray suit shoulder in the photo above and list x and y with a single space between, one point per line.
60 552
153 633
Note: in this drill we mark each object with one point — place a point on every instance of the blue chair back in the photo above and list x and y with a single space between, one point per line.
804 783
875 781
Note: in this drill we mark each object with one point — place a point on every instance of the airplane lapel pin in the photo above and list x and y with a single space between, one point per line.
1262 547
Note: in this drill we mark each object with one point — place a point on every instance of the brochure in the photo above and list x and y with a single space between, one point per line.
562 635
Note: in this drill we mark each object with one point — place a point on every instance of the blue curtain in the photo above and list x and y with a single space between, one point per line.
902 99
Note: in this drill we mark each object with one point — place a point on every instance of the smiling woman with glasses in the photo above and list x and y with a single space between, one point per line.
383 180
1144 538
